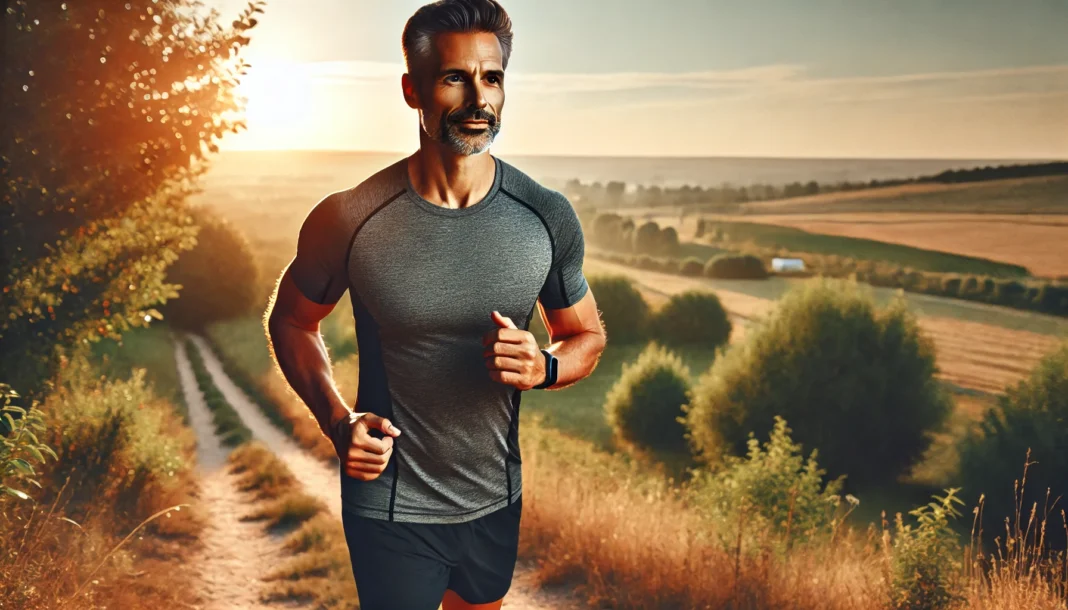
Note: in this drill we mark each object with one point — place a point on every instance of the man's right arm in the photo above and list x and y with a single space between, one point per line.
307 292
300 353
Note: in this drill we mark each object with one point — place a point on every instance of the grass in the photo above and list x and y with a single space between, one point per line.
866 249
318 570
151 348
228 425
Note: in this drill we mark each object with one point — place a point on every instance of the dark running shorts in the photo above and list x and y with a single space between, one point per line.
408 566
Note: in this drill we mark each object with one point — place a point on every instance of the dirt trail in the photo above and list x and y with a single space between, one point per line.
323 481
235 553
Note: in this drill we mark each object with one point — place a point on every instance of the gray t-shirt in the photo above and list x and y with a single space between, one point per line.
423 280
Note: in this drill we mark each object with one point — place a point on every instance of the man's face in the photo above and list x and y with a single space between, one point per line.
461 91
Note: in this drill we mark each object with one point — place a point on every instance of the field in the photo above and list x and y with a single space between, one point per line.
1033 241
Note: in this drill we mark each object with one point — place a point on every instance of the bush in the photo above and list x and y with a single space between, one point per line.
647 238
735 266
645 261
951 285
644 407
623 309
1007 292
857 382
219 276
1052 299
970 286
669 241
1032 414
672 265
924 559
693 317
692 266
775 486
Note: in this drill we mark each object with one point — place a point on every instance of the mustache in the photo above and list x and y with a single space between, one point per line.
478 114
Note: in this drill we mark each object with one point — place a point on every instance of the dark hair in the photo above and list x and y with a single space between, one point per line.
454 16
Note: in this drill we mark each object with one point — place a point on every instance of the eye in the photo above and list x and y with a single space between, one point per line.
452 76
494 79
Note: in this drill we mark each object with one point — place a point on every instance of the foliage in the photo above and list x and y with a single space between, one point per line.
736 266
20 446
1030 415
857 383
694 317
623 309
644 407
219 277
924 559
109 112
774 486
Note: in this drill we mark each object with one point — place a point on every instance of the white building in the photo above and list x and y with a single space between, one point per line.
787 264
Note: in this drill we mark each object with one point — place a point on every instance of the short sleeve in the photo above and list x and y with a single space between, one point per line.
566 284
318 269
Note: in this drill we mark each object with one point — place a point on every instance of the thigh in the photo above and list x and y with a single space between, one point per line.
396 565
484 572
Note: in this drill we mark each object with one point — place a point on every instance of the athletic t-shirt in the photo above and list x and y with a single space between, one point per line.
423 280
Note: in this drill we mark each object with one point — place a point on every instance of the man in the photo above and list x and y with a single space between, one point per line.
445 254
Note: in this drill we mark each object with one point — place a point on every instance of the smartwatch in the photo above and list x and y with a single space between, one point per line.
550 371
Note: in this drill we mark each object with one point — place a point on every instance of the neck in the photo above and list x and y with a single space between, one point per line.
450 180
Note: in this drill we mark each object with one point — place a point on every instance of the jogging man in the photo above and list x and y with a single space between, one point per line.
445 255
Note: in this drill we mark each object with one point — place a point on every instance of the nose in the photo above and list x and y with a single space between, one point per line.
477 96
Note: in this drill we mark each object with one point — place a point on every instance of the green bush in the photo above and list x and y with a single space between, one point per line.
669 241
693 317
1007 292
20 446
219 276
644 407
857 382
623 309
647 238
692 266
951 285
735 266
1032 414
925 558
774 486
970 286
1052 299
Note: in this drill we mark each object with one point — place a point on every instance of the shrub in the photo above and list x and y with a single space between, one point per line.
645 261
735 266
1032 414
669 241
1052 299
970 286
672 265
924 559
20 447
693 317
773 485
951 285
219 276
647 238
1007 292
623 309
644 407
857 382
692 266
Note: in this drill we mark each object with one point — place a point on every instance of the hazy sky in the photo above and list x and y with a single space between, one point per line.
791 78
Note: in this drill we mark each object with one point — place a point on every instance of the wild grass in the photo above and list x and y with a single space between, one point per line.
231 429
318 570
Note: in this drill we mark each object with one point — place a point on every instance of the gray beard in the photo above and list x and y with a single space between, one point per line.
464 144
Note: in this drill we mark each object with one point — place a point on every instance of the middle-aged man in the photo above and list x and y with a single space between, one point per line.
445 255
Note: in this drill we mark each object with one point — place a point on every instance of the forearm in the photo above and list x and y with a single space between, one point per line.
577 357
302 357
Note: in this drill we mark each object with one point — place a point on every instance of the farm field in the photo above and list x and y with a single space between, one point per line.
1035 241
979 347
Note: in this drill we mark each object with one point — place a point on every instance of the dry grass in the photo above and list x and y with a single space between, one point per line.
319 570
627 540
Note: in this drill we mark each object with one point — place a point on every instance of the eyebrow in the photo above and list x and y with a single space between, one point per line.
498 73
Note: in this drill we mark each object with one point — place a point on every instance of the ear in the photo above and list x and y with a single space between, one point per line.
409 92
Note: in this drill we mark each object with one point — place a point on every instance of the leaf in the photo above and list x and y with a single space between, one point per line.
18 494
23 466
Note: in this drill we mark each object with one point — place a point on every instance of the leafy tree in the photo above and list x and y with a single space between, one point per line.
109 112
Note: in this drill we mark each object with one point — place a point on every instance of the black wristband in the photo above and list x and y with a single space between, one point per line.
551 372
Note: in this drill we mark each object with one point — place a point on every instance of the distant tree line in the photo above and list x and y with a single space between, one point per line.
728 198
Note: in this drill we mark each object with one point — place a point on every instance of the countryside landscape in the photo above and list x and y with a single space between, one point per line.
829 383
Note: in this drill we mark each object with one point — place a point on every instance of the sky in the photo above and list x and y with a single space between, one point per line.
762 78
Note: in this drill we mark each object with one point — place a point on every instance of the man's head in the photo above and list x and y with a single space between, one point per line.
456 52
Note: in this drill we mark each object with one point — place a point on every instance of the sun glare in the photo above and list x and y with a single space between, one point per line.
279 103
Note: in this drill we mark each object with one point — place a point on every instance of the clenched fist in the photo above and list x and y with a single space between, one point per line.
365 456
512 355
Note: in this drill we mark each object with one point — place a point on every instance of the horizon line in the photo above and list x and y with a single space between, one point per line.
717 156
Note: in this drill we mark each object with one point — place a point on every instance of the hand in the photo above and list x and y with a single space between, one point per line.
368 456
513 356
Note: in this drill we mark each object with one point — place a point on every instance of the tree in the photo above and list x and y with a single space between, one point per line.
109 113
